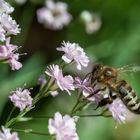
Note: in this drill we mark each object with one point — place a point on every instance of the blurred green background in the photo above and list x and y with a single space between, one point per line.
117 43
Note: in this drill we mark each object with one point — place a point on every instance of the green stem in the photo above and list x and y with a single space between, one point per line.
77 102
14 120
81 107
32 132
44 90
10 114
94 115
3 61
62 64
42 117
97 115
81 116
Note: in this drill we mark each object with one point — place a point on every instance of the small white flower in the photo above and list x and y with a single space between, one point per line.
21 98
54 15
8 24
118 110
5 7
20 1
73 52
92 21
14 63
5 134
63 82
63 127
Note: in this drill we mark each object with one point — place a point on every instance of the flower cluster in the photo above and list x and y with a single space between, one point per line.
21 98
8 27
63 127
93 93
5 134
54 15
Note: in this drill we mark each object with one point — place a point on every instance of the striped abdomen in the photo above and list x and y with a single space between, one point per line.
129 97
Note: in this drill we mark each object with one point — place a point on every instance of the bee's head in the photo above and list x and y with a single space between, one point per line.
103 73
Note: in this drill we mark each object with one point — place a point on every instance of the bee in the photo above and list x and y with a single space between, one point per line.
109 77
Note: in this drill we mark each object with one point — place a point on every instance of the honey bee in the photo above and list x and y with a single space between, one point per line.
109 77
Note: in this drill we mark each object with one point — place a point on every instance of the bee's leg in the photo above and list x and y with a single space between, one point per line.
106 101
88 75
110 96
95 92
102 103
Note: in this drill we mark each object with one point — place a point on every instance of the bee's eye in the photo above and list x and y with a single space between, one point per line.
108 73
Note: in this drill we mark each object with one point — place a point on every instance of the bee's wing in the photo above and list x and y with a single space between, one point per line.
129 68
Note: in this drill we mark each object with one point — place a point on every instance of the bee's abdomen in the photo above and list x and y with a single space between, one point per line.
129 97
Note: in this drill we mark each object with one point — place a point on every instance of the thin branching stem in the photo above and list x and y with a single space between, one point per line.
37 98
80 107
30 131
94 115
42 117
9 116
77 102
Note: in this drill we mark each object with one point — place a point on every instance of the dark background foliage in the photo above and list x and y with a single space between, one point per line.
116 44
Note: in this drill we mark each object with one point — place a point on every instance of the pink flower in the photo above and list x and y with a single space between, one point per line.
83 85
5 7
88 91
97 94
8 24
118 110
21 98
63 127
14 63
63 82
54 15
6 135
73 52
7 53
